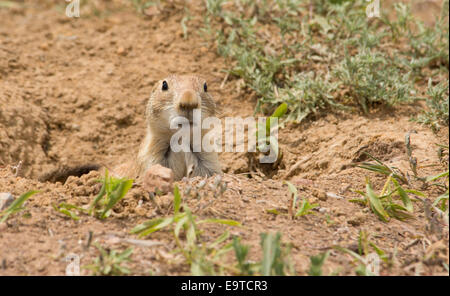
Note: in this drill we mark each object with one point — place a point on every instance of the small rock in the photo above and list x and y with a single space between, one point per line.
6 199
112 240
357 220
43 46
333 195
158 177
338 212
323 210
121 51
342 229
75 127
320 194
140 211
344 188
152 10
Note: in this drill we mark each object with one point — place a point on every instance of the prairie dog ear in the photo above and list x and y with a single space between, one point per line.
148 102
155 87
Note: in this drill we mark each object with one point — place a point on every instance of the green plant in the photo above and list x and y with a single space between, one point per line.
315 268
112 191
203 258
179 220
109 262
16 205
370 78
427 45
66 209
275 258
241 252
381 168
206 259
443 198
438 106
267 141
364 246
326 55
305 207
183 22
383 204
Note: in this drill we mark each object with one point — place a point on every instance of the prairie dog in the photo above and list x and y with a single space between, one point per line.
176 95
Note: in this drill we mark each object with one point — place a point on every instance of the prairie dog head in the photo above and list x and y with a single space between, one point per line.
178 95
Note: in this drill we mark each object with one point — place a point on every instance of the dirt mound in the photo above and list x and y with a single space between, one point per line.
24 133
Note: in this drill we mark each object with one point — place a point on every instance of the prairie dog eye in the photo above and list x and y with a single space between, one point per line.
165 86
205 87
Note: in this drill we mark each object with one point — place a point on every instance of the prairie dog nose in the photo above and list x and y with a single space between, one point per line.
189 100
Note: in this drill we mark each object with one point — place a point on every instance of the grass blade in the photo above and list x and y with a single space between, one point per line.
176 200
375 203
16 205
220 221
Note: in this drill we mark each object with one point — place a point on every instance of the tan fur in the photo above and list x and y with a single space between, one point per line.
183 94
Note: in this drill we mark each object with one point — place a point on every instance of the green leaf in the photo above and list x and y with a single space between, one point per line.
240 250
269 252
405 198
363 245
360 201
443 198
99 195
65 209
117 195
146 225
279 112
375 203
305 208
219 240
350 252
16 205
380 252
177 199
273 211
180 224
441 175
415 192
294 193
125 254
315 268
398 212
158 226
191 233
220 221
